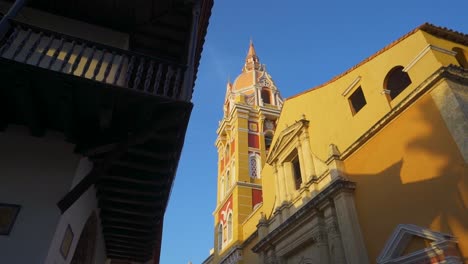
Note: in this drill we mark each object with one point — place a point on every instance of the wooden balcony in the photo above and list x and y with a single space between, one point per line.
78 58
125 111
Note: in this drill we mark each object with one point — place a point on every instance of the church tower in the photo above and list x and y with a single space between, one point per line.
251 108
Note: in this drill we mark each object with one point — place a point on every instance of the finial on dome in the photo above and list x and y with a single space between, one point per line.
251 52
251 61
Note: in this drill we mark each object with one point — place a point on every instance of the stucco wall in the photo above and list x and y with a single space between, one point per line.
411 172
76 216
35 173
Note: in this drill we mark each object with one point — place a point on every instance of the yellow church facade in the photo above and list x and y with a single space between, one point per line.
370 167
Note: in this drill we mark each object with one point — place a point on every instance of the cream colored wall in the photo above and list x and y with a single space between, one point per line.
37 182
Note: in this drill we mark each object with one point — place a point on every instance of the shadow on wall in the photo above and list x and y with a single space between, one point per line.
424 181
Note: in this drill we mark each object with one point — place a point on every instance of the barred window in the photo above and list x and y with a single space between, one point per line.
254 166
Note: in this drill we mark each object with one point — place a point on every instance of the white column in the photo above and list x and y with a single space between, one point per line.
334 238
321 242
287 180
351 235
302 163
307 154
278 190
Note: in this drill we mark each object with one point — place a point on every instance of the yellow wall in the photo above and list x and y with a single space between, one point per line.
411 172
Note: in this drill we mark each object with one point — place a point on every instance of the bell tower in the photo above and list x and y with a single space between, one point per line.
251 108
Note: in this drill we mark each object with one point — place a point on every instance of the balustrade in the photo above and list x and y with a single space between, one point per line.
82 58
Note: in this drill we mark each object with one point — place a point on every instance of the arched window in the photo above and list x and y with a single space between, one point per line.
220 237
266 96
229 224
396 81
221 189
228 182
254 166
460 56
226 151
268 139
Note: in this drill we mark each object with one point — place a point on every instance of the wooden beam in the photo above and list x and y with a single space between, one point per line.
138 238
129 228
30 102
128 191
129 212
125 241
114 219
131 179
153 155
132 253
128 201
126 250
71 197
143 167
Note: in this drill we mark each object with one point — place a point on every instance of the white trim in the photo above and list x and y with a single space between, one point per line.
402 236
424 51
351 86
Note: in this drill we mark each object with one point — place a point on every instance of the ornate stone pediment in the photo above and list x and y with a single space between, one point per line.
285 138
441 247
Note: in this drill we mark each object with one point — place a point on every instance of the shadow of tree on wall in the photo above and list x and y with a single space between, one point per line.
424 183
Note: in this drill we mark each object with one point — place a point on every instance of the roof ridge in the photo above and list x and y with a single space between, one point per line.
443 32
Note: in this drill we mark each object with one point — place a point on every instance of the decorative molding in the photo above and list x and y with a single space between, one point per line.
250 185
324 196
233 256
351 86
442 244
450 72
424 52
284 138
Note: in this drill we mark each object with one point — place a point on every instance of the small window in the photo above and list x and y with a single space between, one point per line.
396 81
229 224
297 173
220 236
357 100
268 139
228 182
221 189
460 56
266 96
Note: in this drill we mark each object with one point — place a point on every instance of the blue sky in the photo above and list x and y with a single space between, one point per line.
303 43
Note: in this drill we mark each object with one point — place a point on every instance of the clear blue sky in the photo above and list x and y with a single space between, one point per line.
303 44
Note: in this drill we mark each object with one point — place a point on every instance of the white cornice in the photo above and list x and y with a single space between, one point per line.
424 52
351 86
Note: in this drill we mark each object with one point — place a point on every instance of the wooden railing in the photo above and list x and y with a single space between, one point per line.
97 62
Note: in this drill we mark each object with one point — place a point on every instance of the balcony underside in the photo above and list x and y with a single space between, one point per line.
157 27
134 140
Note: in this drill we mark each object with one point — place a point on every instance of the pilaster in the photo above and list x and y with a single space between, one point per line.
319 235
334 237
353 242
